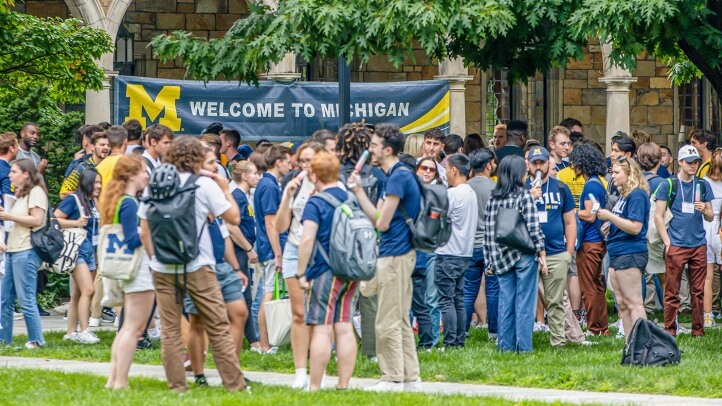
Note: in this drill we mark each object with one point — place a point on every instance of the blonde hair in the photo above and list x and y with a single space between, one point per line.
414 145
635 178
558 129
715 166
242 168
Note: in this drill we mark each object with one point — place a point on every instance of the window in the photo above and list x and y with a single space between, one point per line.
521 101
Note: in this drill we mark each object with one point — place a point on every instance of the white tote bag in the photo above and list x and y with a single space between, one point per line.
278 316
115 260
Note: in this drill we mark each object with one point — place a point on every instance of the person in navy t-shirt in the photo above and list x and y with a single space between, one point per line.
588 161
330 301
395 343
685 238
627 239
269 243
555 207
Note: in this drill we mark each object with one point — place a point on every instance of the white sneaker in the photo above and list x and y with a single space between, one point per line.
31 345
709 320
386 386
257 349
413 386
271 351
154 333
94 322
71 337
681 330
85 337
587 343
300 382
540 327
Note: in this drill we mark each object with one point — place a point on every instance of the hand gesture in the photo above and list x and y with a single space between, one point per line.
536 192
354 182
252 257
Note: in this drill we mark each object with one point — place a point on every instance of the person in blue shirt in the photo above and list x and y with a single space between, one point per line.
685 238
330 301
395 343
588 161
269 242
555 208
80 211
627 239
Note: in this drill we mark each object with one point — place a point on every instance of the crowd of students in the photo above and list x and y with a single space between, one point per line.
259 216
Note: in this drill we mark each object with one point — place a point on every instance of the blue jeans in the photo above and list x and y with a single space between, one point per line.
425 303
255 306
449 276
491 286
21 276
472 282
517 305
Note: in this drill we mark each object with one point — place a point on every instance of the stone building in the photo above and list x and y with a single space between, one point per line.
604 99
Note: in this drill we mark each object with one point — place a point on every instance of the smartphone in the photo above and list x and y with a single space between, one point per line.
206 173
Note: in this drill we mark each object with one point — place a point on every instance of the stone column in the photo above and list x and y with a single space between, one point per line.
617 80
454 71
97 102
285 70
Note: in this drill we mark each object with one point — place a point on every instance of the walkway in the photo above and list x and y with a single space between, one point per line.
270 378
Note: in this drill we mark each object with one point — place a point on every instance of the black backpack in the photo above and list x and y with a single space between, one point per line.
171 216
48 241
431 229
650 345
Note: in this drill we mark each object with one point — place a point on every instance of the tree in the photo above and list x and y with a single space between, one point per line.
524 36
687 34
57 54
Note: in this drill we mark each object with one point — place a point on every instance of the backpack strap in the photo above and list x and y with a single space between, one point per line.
335 203
408 219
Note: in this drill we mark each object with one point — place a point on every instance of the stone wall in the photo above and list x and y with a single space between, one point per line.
651 98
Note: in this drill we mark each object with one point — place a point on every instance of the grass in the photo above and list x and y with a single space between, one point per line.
39 387
594 368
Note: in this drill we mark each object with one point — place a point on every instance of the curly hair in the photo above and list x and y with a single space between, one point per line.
186 153
635 178
588 159
126 167
352 140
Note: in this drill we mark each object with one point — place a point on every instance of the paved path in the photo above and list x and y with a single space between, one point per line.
270 378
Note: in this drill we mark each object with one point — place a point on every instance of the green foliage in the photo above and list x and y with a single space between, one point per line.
57 131
51 52
525 36
574 367
6 5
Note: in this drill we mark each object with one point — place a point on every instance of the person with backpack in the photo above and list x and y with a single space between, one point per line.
270 242
395 343
626 228
245 177
353 140
81 211
177 191
330 300
288 219
714 245
516 269
101 149
688 198
119 205
588 162
452 259
555 206
28 213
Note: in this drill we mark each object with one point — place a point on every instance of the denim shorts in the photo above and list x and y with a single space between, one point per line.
290 261
628 261
86 255
231 287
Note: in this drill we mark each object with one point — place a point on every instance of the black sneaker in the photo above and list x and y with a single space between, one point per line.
43 312
144 344
201 380
108 315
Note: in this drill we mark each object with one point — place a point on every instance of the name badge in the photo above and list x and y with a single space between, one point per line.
687 208
543 217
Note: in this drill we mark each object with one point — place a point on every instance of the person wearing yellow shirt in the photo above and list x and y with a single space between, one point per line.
118 140
99 152
705 143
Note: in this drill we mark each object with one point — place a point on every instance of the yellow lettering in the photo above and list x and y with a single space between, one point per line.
165 100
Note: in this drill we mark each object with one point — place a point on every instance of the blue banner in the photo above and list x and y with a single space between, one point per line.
277 111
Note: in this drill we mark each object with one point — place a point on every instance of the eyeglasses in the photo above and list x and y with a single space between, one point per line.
431 169
621 159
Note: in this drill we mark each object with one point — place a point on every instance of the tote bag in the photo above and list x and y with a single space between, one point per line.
115 260
278 315
73 239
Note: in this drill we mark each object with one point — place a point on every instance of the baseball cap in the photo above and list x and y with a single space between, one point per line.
689 154
538 154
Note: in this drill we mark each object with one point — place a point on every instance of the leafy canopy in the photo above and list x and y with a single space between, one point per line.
57 54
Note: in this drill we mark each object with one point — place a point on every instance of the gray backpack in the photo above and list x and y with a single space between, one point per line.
353 246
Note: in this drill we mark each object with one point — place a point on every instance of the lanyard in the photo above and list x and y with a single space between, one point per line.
681 186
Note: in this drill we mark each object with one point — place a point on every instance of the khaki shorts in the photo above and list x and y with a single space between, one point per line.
656 265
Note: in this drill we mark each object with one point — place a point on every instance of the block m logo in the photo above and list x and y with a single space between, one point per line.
165 100
115 243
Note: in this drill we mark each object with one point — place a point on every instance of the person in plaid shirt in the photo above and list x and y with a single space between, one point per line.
515 270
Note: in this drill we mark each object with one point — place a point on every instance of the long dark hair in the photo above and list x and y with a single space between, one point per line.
85 189
511 172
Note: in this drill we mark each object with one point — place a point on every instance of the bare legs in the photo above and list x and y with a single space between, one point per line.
80 297
137 311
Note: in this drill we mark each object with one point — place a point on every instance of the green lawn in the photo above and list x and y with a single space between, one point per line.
38 387
594 368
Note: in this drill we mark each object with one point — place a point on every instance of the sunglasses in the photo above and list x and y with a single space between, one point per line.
431 169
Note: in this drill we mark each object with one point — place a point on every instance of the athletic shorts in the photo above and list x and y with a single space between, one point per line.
330 300
143 282
714 246
638 260
86 255
231 287
656 263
